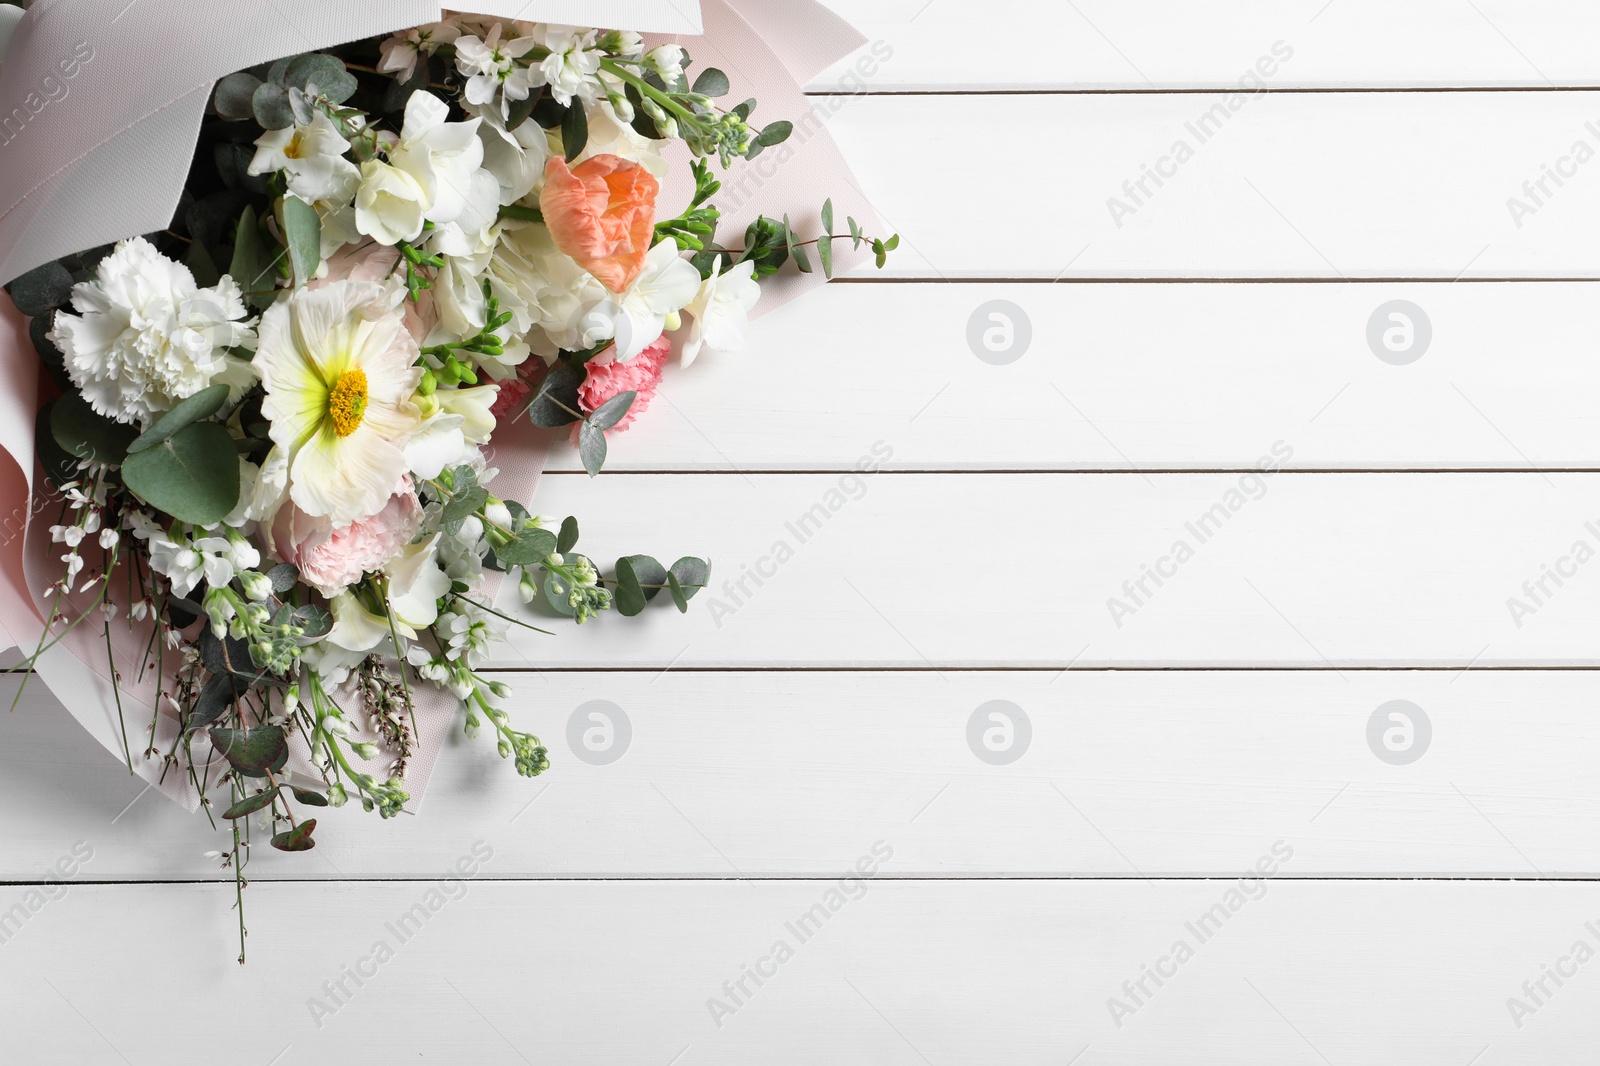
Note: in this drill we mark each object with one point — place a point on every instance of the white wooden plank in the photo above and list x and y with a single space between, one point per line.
901 973
1284 185
940 45
1161 376
775 774
949 570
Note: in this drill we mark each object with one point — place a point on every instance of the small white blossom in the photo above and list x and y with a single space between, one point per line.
404 50
667 61
492 69
313 159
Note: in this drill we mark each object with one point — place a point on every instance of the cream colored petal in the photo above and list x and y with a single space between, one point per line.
346 478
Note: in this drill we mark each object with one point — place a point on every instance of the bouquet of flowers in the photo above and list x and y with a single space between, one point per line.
279 421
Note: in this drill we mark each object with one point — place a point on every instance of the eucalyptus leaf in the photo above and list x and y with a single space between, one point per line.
467 496
569 535
309 798
315 620
302 228
201 265
253 266
612 411
271 107
325 73
257 749
203 404
298 838
59 466
54 362
675 587
825 254
42 289
83 432
592 448
711 82
691 574
557 397
217 695
529 547
235 96
251 804
192 476
827 216
283 577
574 131
647 577
776 133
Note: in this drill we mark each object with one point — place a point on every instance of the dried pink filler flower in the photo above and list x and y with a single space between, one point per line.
641 374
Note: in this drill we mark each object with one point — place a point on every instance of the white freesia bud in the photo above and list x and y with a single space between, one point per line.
498 515
291 700
256 586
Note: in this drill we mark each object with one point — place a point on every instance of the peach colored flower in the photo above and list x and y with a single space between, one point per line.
332 559
641 374
602 214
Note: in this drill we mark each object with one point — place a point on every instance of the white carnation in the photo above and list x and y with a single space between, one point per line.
146 336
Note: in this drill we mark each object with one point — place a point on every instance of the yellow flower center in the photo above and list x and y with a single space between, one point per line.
296 146
347 403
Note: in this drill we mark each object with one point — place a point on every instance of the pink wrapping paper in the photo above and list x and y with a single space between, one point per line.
65 185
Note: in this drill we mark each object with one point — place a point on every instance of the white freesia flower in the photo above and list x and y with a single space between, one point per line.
492 69
609 134
391 206
313 157
340 374
146 336
451 434
666 285
571 67
473 232
516 157
404 50
667 61
415 583
441 156
722 310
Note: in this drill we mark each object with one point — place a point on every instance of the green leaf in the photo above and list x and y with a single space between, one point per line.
827 216
251 804
630 596
88 435
529 547
794 248
574 131
692 575
711 82
271 107
315 620
201 265
203 404
215 698
825 253
555 593
192 476
569 535
302 228
251 750
283 577
592 448
59 466
298 838
327 74
612 411
745 110
467 497
42 289
676 588
309 798
54 362
233 166
557 393
253 267
235 97
634 574
855 232
775 134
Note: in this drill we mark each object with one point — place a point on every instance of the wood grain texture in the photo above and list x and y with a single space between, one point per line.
1267 185
1390 972
1171 44
1125 377
947 570
1117 774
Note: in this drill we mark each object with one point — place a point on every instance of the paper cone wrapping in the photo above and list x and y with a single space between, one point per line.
101 103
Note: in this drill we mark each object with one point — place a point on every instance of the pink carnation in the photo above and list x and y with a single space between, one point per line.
331 560
642 374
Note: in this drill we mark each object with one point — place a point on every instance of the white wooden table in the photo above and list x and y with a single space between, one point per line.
802 854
